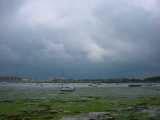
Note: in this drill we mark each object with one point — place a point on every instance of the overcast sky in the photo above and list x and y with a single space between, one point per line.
80 38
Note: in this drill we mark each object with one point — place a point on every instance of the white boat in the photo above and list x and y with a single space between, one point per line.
67 89
93 85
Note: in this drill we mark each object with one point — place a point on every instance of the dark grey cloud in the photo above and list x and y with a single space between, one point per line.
82 39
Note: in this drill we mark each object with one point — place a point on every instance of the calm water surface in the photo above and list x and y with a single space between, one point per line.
44 90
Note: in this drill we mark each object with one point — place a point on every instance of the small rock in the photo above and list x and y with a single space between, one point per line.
100 116
53 111
136 108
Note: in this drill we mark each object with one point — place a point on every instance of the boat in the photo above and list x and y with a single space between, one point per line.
67 89
134 85
92 85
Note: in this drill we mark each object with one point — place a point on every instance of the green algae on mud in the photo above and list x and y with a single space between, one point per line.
54 109
36 103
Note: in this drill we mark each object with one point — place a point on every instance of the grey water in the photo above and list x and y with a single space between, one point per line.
46 90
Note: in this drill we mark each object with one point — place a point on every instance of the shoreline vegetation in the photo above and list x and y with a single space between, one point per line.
155 79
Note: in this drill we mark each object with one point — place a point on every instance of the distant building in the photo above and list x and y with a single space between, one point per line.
26 79
10 79
57 78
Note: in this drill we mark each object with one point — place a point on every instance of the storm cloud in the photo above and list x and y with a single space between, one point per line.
80 39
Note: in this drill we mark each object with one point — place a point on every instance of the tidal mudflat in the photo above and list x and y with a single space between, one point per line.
45 101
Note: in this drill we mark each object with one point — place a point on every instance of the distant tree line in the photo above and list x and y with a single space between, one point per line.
117 80
155 79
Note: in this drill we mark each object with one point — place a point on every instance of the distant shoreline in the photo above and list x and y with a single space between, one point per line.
96 81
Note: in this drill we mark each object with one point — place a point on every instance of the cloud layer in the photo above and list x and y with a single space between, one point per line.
81 39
